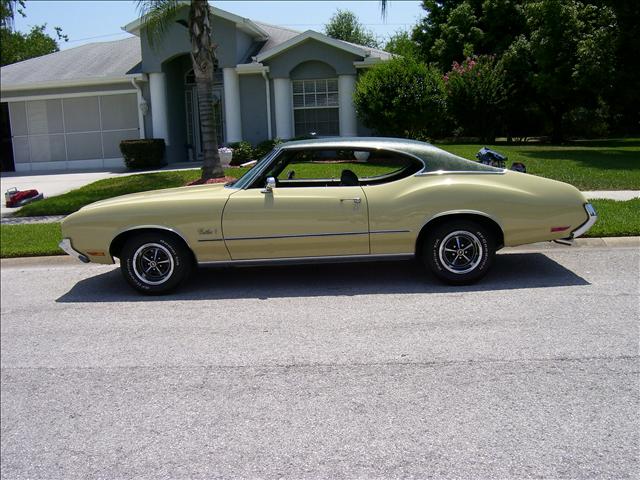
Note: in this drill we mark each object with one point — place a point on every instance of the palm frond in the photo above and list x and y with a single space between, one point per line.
157 16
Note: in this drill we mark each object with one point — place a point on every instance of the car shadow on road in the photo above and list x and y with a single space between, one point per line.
512 271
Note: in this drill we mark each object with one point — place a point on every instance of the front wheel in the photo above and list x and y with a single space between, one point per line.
155 264
459 252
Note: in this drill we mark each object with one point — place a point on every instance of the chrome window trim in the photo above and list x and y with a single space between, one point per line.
460 172
365 257
322 146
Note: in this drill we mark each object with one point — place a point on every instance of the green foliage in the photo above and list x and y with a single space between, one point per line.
17 46
476 96
140 154
344 25
401 98
265 147
158 17
401 43
242 153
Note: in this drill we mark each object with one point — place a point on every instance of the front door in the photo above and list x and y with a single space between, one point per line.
194 132
291 222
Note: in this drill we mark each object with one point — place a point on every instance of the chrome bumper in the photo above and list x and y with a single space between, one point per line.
584 228
65 245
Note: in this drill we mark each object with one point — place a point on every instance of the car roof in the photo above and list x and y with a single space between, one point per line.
359 142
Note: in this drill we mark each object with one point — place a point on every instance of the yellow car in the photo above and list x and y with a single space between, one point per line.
331 199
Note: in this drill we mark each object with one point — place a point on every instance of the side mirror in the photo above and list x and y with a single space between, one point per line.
269 185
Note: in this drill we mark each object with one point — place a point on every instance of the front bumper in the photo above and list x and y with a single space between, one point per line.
584 228
65 245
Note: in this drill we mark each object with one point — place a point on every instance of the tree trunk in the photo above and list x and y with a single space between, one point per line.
556 126
204 61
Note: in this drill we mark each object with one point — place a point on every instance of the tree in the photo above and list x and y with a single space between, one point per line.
401 98
401 43
571 47
476 96
157 15
344 25
17 46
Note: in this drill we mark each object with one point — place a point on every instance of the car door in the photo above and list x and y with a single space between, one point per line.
290 222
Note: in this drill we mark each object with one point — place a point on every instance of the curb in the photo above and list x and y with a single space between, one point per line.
580 243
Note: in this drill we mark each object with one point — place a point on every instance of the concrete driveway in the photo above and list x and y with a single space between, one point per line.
56 183
331 371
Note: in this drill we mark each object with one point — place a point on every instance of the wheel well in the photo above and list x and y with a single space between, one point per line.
481 219
117 243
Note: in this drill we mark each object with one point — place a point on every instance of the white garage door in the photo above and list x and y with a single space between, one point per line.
67 133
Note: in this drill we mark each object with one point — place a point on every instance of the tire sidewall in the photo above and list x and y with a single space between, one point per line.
432 252
181 260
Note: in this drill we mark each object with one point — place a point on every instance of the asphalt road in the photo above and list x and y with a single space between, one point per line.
333 371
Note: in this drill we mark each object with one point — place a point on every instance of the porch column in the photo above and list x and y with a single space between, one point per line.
159 109
232 115
348 121
283 107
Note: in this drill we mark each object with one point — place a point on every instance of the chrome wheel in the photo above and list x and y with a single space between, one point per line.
153 263
460 252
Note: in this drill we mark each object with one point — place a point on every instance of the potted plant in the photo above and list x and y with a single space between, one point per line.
226 154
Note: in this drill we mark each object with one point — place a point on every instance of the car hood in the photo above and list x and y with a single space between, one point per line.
169 194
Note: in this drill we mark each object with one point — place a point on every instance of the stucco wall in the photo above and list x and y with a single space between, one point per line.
312 69
176 42
254 108
342 62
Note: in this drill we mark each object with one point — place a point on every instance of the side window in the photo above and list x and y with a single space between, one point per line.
339 167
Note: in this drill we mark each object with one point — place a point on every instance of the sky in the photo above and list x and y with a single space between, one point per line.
101 21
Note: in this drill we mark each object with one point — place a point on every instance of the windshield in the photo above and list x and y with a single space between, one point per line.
250 174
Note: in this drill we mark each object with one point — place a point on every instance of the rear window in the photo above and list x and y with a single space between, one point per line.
436 160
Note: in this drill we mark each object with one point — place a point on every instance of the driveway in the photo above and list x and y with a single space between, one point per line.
56 183
331 371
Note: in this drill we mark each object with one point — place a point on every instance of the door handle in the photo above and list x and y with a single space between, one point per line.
354 200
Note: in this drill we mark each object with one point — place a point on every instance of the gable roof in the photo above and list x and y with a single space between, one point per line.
291 40
248 26
92 62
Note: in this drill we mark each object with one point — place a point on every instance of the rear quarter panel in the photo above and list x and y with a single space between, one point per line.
524 206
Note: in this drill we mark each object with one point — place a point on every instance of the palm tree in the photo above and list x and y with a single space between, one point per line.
157 16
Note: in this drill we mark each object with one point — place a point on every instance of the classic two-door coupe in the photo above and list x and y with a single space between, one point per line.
330 200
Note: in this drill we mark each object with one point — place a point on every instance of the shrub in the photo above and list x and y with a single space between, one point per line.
476 96
143 153
265 147
401 97
242 152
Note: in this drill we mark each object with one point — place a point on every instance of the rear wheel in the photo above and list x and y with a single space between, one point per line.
459 252
155 264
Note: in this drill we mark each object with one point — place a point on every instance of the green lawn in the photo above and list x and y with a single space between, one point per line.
31 240
616 219
588 165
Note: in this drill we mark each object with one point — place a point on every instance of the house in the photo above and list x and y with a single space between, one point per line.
71 109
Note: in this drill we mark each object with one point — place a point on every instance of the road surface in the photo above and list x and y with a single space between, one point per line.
332 371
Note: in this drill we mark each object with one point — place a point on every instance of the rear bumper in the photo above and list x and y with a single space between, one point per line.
65 245
584 228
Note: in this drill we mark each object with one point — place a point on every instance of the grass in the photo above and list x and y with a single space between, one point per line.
31 240
588 165
616 219
112 187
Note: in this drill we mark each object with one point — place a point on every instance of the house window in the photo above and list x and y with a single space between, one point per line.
315 107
